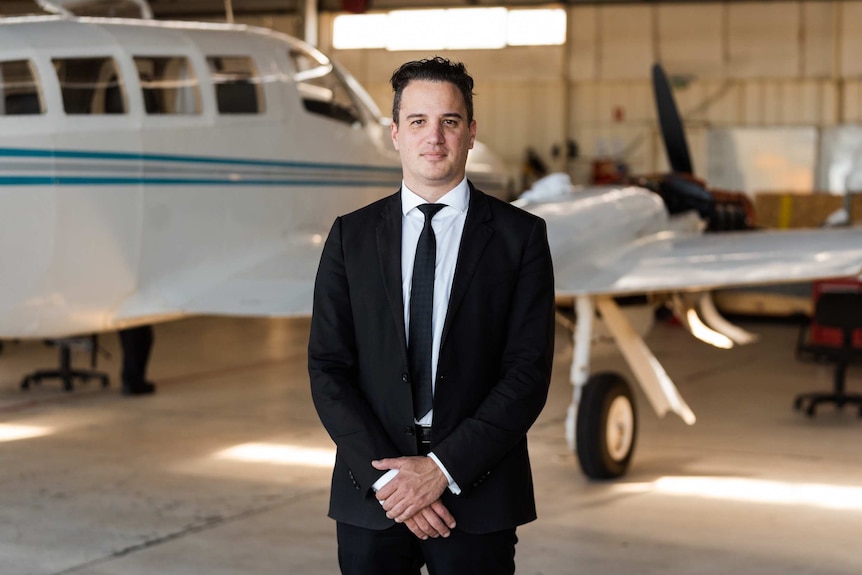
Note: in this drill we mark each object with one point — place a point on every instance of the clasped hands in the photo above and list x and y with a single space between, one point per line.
413 496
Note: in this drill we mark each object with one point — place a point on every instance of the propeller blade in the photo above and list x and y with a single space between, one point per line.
675 144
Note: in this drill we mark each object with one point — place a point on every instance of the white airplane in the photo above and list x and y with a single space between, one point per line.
155 170
152 170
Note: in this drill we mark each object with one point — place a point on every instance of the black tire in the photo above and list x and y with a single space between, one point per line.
606 402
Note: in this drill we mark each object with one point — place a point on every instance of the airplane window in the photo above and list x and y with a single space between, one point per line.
239 88
321 88
169 85
90 85
19 89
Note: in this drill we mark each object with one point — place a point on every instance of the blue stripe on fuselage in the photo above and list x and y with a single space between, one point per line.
81 181
142 157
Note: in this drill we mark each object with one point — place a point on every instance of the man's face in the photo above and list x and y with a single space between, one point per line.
433 137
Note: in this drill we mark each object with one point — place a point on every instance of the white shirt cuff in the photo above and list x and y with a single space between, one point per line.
453 487
384 479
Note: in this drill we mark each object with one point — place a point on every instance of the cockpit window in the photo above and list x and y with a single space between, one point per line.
321 88
19 89
168 84
238 86
90 85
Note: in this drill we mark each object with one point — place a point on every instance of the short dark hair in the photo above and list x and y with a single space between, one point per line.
434 69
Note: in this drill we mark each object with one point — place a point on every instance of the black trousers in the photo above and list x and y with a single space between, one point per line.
396 551
137 342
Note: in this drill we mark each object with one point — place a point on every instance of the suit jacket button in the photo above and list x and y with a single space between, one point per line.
405 378
353 479
409 430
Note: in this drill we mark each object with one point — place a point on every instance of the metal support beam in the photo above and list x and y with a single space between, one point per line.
310 21
228 11
649 373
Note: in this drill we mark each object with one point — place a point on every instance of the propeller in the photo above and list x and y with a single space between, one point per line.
670 122
680 190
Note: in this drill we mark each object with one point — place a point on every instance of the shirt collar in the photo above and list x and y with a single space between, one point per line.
458 198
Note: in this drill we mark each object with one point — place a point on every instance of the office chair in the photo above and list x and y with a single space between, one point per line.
66 373
839 310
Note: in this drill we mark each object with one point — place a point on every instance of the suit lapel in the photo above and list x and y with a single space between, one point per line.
389 250
476 234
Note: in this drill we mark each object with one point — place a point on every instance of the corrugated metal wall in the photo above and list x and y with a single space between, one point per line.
733 64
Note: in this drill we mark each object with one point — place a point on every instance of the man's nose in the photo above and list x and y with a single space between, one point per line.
435 134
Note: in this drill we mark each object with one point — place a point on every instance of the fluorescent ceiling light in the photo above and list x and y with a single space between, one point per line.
352 31
544 27
416 30
450 29
475 28
459 28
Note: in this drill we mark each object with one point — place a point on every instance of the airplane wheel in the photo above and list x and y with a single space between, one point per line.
607 426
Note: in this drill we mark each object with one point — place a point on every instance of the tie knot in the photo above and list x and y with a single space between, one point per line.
430 210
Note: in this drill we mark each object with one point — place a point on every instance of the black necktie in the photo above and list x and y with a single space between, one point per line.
421 308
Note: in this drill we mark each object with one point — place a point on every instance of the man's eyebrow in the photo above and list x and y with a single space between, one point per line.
445 115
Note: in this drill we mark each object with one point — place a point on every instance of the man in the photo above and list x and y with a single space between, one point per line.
469 323
137 343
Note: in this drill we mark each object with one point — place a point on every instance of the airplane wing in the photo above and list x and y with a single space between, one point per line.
667 261
271 282
281 285
279 280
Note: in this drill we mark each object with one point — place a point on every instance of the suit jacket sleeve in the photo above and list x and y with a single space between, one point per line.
333 369
516 399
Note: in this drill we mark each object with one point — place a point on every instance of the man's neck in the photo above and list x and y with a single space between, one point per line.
432 194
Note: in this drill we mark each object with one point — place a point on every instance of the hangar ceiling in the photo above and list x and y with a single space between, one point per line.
164 8
214 9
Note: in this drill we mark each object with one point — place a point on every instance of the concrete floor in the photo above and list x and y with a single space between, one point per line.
128 486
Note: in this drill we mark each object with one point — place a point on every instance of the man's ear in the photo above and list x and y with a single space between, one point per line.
472 133
393 132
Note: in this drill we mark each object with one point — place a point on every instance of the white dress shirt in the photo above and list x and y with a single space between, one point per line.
448 225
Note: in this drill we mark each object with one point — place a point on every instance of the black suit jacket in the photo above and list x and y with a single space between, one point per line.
493 369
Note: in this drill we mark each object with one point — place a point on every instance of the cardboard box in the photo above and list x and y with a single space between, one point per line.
785 210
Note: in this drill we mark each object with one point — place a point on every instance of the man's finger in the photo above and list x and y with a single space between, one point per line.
443 513
424 526
388 463
436 525
399 506
414 528
385 492
402 511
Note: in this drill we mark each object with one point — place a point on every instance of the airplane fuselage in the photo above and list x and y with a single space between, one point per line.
141 163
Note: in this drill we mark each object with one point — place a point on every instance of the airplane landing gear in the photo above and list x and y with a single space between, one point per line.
606 426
